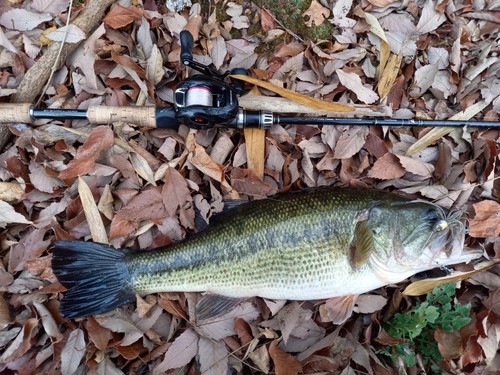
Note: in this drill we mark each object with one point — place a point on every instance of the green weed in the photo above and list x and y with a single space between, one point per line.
417 326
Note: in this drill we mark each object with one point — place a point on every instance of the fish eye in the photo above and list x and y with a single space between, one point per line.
431 216
437 223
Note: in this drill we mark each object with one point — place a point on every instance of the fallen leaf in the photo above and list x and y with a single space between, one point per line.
22 19
9 215
486 222
180 353
317 14
73 352
284 363
338 309
369 303
387 167
54 7
213 357
430 19
42 180
295 96
416 166
423 79
449 344
148 205
68 34
350 142
99 335
381 3
421 287
49 324
175 192
217 50
245 181
120 16
94 220
223 326
353 83
21 344
267 21
5 316
99 139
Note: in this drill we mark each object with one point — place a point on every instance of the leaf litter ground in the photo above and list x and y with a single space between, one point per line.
430 59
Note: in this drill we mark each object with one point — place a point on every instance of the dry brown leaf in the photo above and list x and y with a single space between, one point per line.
416 166
21 344
267 22
5 317
421 287
175 192
260 357
369 303
430 19
292 95
213 357
381 3
350 142
376 29
449 344
223 326
217 50
9 215
147 205
316 14
94 220
11 191
353 82
31 246
389 74
486 222
73 352
338 309
49 324
99 139
284 363
121 16
245 181
180 353
387 167
99 335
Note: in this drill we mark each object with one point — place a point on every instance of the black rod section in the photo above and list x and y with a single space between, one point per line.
292 120
59 114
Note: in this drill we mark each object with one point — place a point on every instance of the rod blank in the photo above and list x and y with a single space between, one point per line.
151 117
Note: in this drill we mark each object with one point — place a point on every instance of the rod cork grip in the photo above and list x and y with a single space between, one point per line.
140 116
13 112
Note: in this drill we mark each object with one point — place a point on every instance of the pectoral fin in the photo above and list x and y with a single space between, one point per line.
212 306
362 244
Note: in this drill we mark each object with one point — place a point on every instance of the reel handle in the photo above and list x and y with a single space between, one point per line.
187 43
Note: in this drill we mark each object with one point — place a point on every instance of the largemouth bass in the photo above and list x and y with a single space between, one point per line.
313 244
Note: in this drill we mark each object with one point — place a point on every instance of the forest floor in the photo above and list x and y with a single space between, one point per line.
139 188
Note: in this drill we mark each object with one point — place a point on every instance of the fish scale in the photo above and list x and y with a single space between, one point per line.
313 244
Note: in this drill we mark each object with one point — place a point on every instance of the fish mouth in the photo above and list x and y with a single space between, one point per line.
465 256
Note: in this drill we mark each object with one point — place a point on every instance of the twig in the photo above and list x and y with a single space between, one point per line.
58 57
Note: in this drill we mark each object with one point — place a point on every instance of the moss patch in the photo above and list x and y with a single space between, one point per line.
289 13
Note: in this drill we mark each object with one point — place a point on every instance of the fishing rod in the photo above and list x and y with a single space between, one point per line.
204 101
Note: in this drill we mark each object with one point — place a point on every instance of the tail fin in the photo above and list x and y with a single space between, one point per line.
96 275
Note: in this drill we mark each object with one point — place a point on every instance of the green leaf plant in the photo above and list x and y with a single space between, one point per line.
416 327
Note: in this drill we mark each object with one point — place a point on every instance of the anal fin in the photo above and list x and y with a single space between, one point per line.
212 306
